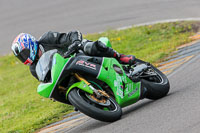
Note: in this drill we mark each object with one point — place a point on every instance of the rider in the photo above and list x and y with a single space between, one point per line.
28 50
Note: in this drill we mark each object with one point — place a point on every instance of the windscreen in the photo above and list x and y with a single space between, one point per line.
44 64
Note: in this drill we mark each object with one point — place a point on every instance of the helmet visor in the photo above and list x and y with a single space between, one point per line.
23 55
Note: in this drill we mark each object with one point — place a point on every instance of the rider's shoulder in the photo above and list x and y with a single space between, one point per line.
48 35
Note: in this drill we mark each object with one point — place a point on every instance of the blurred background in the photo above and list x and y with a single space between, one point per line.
88 16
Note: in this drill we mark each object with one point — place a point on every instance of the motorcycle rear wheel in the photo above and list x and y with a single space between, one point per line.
157 88
86 105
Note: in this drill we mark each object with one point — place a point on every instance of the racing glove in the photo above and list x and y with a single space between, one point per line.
75 46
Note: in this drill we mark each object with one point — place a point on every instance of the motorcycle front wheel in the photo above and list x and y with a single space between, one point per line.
104 109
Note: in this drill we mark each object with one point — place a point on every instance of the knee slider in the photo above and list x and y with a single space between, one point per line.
101 46
88 48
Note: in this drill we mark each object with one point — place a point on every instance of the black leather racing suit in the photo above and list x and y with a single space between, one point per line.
61 42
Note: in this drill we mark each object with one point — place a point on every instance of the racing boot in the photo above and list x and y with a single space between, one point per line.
126 59
109 52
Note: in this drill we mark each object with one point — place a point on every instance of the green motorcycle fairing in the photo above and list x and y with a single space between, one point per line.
125 90
58 65
106 41
111 72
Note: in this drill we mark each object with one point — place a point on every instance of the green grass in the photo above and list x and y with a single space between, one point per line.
23 110
151 43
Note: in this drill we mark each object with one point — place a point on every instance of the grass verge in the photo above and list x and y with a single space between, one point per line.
23 110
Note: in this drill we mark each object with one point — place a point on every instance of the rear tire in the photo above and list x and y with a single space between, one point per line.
157 90
77 99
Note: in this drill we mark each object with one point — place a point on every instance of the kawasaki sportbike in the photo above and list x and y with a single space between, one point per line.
98 86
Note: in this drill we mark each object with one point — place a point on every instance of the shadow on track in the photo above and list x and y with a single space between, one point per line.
142 104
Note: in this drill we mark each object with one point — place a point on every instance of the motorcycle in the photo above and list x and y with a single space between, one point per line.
98 86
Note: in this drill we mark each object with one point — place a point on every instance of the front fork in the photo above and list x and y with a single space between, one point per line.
98 93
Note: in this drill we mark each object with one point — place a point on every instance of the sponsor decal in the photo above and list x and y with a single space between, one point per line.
118 85
133 92
128 90
86 64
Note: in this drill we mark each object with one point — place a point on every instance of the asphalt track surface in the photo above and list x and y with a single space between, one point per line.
88 16
178 112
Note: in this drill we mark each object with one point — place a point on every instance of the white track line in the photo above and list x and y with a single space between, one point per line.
160 21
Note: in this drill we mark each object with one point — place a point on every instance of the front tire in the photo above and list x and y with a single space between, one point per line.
79 99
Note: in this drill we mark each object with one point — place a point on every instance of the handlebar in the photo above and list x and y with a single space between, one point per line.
77 47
